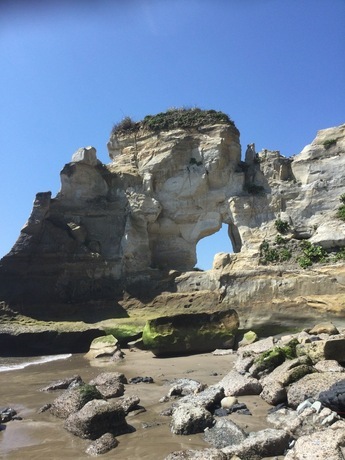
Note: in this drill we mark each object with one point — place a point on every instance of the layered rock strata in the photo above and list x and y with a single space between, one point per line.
125 234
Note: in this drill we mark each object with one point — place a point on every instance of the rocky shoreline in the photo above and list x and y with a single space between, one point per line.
301 376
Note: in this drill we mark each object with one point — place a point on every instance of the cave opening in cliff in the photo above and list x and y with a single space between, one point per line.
225 240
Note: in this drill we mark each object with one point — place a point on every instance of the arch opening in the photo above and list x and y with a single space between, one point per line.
227 239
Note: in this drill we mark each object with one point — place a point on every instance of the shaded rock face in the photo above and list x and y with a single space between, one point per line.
124 225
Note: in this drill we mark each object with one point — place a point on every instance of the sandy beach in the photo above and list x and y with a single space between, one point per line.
41 435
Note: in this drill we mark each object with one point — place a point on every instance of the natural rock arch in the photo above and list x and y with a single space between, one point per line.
226 239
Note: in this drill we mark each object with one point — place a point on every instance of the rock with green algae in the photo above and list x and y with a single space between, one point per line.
191 333
102 346
248 338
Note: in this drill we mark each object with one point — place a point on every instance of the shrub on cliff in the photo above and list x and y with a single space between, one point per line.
126 126
341 209
311 253
282 226
184 118
175 118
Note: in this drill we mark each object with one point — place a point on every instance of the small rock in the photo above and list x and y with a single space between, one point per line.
235 384
136 380
221 412
304 405
129 403
110 384
329 365
189 419
228 402
224 433
64 384
104 346
248 338
317 406
7 414
102 445
44 408
223 352
183 387
324 328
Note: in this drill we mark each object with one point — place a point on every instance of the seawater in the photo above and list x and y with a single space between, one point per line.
18 363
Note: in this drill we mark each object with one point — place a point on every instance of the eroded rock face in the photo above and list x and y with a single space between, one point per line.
124 225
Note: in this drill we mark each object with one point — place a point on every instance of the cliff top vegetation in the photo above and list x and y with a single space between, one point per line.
172 119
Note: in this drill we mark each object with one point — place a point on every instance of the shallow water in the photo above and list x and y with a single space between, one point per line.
42 436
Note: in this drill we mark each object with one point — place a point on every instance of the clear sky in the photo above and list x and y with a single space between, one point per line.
71 69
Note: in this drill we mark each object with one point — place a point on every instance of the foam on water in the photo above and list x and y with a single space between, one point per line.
14 364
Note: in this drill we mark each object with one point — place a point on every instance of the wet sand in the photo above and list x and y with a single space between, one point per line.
41 436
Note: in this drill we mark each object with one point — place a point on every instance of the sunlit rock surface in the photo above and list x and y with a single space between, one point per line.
124 233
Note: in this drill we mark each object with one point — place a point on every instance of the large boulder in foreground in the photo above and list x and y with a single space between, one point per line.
96 418
191 333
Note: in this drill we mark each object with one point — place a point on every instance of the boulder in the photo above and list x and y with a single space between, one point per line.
129 403
248 338
228 402
224 433
235 384
73 399
242 365
7 414
183 387
274 384
274 393
96 418
324 328
334 397
102 445
256 348
110 384
209 398
63 384
101 347
329 365
191 333
327 444
264 443
188 419
314 385
206 454
314 350
335 349
308 418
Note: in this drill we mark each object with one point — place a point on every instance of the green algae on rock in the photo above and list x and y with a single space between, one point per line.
191 333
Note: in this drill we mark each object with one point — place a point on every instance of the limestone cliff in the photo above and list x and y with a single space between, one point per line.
125 234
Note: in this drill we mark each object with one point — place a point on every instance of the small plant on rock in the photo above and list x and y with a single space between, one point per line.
270 255
280 240
341 209
328 143
285 254
126 126
312 253
282 226
88 393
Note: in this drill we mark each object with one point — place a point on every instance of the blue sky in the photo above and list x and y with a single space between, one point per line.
71 69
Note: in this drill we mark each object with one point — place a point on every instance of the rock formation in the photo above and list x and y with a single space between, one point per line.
124 235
